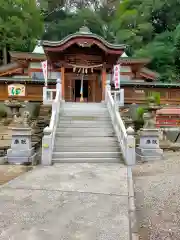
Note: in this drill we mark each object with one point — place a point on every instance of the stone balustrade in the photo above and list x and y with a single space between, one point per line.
125 136
49 132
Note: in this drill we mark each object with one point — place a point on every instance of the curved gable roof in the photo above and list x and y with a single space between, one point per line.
86 34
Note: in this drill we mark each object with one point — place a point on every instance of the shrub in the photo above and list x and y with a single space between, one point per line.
3 113
36 110
7 121
155 97
139 122
140 112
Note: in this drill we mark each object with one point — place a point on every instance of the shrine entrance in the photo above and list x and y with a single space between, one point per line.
79 91
92 87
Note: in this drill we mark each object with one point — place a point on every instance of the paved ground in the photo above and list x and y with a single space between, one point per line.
157 192
66 202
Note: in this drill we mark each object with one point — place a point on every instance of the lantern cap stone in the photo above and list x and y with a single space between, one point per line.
130 131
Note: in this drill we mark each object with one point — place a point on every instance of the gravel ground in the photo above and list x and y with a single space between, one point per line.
9 172
157 192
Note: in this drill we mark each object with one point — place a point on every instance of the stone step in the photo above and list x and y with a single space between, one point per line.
85 148
112 146
84 129
101 121
85 134
86 140
86 154
87 160
84 125
85 113
67 122
86 108
80 109
84 118
84 105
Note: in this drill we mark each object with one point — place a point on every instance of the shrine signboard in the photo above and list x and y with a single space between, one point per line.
16 90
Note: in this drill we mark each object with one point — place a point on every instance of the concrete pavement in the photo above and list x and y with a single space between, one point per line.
66 202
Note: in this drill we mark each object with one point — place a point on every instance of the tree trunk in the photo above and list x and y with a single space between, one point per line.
4 55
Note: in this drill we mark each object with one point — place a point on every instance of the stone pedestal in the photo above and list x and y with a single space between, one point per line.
149 145
21 150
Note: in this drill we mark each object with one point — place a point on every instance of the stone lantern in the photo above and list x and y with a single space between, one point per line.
149 148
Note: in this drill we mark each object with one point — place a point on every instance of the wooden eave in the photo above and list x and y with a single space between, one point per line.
80 39
88 35
10 68
123 83
25 80
13 67
146 84
27 56
133 61
147 73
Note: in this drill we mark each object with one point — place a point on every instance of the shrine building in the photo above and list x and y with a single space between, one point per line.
82 54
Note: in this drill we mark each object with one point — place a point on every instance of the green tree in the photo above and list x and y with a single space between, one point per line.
20 24
131 25
161 53
68 16
71 22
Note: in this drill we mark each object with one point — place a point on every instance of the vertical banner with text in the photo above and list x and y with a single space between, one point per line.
116 76
45 71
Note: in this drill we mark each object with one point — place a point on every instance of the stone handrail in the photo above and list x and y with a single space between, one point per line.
125 136
50 131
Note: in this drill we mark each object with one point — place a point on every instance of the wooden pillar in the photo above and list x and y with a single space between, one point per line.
103 83
94 89
62 81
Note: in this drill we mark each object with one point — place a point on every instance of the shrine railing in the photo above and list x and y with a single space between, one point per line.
125 136
49 95
49 132
118 97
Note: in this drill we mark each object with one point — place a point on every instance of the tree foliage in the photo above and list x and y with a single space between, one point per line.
20 24
150 27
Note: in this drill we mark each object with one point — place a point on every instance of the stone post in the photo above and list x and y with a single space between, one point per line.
59 88
21 150
45 95
130 147
108 88
149 148
121 97
58 84
46 158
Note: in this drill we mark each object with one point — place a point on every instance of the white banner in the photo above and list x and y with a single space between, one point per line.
45 71
116 76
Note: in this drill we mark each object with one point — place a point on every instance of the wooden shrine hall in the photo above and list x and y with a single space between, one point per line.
82 55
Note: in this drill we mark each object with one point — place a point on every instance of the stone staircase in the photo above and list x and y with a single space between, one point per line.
85 134
40 123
